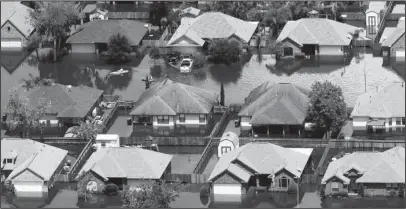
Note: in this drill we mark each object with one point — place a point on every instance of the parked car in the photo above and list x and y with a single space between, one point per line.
186 65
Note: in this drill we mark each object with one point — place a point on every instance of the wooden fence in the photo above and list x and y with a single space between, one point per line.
187 178
220 109
58 140
167 140
82 158
369 144
65 178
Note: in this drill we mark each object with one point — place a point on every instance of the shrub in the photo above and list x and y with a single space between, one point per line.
300 55
111 189
361 191
199 61
119 49
392 192
401 190
205 194
322 193
340 194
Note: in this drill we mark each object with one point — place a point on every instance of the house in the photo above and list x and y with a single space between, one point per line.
170 103
127 165
68 105
393 45
380 173
15 25
382 109
193 33
30 166
107 140
316 36
261 165
190 12
275 109
94 36
228 142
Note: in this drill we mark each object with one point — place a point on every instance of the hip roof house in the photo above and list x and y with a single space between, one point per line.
274 108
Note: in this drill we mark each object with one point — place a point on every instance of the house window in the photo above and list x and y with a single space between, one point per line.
182 118
103 144
225 149
163 119
388 186
8 28
9 161
403 121
334 186
390 121
202 118
288 51
398 121
284 182
371 24
395 186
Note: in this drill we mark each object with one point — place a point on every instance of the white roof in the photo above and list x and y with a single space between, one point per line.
306 151
107 137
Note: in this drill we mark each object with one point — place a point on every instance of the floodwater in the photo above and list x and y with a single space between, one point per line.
239 79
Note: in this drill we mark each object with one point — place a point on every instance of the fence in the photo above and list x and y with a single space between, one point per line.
82 158
64 178
161 42
167 140
308 179
59 140
219 109
288 142
381 144
220 124
187 178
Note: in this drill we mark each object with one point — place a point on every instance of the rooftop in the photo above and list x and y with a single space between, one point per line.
127 162
18 15
39 158
281 103
66 101
170 98
263 158
319 31
375 167
385 102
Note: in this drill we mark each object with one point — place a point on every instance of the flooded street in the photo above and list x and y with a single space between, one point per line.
238 80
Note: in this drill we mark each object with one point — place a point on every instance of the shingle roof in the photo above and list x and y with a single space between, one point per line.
190 10
18 15
213 25
89 8
394 37
387 102
40 158
319 31
100 31
281 103
171 98
263 158
230 136
73 102
127 162
376 167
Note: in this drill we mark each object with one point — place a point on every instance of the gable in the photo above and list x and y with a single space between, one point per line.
184 40
400 42
14 32
334 179
226 178
27 176
284 172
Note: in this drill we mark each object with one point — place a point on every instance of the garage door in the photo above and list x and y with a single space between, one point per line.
11 43
227 189
400 56
83 48
28 190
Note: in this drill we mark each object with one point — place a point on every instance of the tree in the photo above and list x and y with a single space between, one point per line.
119 49
164 21
52 21
154 54
85 193
157 11
151 194
23 114
255 15
89 130
224 51
276 48
222 96
327 111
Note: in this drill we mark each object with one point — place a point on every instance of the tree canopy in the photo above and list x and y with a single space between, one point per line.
24 115
151 194
224 51
328 110
119 49
89 130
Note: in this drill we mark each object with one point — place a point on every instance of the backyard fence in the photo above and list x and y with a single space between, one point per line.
308 179
64 178
288 142
82 158
369 144
219 109
59 140
167 140
187 178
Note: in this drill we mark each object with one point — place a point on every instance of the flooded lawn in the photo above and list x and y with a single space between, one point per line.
238 80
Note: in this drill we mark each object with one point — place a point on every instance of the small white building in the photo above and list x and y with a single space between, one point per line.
98 15
372 14
228 142
107 140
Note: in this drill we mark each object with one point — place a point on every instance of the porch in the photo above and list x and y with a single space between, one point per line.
290 131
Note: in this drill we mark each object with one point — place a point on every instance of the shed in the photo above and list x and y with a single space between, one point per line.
107 140
228 142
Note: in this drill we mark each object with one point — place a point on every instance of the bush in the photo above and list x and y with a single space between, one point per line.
340 194
322 193
119 49
205 194
401 190
199 61
300 55
361 191
111 189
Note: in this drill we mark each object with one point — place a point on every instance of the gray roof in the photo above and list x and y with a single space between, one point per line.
89 8
73 102
376 167
320 31
127 162
39 158
100 31
18 15
397 34
387 102
376 6
281 103
213 25
261 157
172 98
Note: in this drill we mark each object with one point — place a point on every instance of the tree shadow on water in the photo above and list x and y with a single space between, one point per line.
226 73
